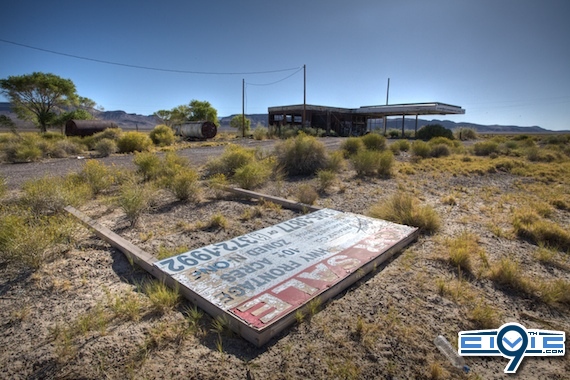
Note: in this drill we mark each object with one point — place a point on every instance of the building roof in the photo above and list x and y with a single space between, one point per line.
433 108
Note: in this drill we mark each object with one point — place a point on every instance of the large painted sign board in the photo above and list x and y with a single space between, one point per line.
259 280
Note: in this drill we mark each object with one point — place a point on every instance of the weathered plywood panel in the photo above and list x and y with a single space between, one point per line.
260 279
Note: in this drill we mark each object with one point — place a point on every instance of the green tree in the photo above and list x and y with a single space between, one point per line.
240 124
196 110
165 116
40 97
203 110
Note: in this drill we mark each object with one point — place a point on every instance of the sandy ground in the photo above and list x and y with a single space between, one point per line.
382 327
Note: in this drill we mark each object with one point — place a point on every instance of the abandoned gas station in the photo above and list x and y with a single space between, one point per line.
354 121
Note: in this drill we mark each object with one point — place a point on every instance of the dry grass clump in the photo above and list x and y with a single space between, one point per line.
556 291
530 226
29 240
461 249
3 187
507 272
307 194
161 296
218 221
484 316
51 194
217 183
403 209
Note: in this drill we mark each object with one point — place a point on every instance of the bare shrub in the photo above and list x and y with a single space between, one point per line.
97 176
373 162
233 158
132 141
326 179
148 164
260 133
374 141
307 194
135 200
162 135
352 146
301 155
253 175
185 186
485 148
421 149
51 194
106 147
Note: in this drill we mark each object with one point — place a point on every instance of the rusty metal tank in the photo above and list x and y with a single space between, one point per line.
87 127
197 130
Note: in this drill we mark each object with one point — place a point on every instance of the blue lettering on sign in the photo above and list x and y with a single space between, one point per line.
512 341
466 342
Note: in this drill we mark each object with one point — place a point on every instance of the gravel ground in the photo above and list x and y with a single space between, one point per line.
380 328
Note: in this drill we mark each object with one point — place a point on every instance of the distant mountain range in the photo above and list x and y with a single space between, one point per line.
131 121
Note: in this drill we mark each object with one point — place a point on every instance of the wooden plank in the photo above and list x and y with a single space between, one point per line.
277 200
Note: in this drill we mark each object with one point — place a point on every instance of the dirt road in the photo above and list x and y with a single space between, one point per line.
198 154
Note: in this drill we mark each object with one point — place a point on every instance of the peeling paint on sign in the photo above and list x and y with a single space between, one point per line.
264 275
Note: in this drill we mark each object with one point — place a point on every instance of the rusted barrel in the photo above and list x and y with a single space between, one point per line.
197 130
87 127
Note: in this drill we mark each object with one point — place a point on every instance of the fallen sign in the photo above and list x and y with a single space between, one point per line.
258 281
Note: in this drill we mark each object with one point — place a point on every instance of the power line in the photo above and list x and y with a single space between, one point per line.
147 67
277 81
268 84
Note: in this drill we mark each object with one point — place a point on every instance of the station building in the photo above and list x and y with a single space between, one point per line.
353 121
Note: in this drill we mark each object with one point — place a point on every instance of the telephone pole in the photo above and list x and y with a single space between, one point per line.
387 91
243 107
304 93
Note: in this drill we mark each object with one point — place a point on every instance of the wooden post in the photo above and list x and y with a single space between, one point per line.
416 130
280 201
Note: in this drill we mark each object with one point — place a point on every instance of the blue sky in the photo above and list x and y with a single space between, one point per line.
504 61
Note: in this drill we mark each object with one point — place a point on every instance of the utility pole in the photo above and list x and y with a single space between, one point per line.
387 91
243 107
304 93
